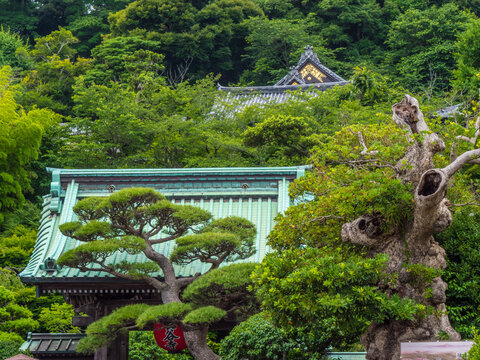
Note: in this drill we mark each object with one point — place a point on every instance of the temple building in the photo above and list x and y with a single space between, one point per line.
257 194
309 74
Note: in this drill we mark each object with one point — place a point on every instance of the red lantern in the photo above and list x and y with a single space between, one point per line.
170 339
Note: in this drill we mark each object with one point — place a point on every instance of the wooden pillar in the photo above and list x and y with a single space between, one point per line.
100 354
117 350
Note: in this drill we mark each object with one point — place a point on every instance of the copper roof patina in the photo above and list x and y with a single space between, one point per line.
58 345
258 194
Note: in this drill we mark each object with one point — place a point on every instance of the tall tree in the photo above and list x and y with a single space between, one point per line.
422 45
362 250
460 242
135 221
20 141
275 45
10 42
202 40
20 17
50 84
466 77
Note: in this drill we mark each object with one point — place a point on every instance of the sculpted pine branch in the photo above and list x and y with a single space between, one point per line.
134 221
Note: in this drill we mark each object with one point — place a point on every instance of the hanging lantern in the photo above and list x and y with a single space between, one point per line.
170 339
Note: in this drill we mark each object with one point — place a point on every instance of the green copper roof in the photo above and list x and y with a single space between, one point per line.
257 194
52 344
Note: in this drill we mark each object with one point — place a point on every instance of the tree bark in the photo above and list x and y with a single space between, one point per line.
413 242
196 339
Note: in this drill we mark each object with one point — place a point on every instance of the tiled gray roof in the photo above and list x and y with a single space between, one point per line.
242 97
282 91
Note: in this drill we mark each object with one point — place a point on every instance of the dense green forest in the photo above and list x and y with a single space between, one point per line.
119 83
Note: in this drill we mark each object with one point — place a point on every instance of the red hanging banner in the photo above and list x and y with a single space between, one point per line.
170 339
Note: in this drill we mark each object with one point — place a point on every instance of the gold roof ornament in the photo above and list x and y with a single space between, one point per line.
309 74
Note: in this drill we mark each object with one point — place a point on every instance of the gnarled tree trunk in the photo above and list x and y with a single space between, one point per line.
196 339
412 243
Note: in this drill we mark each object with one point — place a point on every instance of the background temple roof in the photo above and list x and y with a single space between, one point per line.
257 194
309 74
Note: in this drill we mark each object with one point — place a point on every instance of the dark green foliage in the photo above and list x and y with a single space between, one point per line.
204 315
275 45
109 327
229 278
25 218
91 25
255 40
9 349
466 73
228 288
334 287
142 346
213 35
99 250
259 339
163 314
154 15
422 45
460 241
20 17
353 26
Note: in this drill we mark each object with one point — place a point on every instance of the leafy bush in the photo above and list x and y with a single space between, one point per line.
58 319
9 349
474 353
462 274
142 346
258 339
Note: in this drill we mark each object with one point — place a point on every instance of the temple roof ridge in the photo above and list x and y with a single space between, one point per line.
309 74
309 57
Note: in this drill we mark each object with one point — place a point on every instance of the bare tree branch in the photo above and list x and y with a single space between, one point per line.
165 239
471 140
177 75
468 157
470 203
365 151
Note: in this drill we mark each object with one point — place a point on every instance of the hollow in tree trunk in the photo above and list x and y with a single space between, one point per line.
412 243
